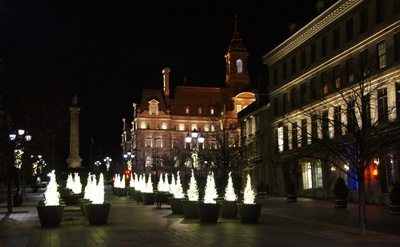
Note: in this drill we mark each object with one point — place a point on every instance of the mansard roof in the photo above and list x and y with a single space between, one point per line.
150 94
200 97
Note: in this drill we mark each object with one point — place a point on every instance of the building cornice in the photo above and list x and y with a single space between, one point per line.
331 15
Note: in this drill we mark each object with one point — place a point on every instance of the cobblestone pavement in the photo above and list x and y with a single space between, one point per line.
306 222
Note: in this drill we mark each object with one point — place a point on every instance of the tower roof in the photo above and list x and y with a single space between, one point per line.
237 43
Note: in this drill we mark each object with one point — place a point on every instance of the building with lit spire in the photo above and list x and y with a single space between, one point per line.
161 122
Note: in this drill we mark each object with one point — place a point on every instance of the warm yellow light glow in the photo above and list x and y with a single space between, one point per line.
210 190
249 194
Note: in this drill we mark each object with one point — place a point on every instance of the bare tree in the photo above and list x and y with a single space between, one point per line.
173 160
37 101
349 128
222 149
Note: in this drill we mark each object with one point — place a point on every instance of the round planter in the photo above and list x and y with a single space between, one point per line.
249 213
148 198
97 214
208 212
176 205
340 203
395 209
229 209
190 209
50 215
291 198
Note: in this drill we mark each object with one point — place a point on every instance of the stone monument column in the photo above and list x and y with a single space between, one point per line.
74 159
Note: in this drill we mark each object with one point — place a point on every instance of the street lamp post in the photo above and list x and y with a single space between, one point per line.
198 141
19 137
128 157
107 160
37 170
97 164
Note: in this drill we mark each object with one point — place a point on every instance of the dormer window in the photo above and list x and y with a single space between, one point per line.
187 109
153 107
212 110
200 110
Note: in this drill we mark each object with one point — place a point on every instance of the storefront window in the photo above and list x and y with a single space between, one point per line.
312 175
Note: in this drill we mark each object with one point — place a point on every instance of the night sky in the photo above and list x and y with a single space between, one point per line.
113 49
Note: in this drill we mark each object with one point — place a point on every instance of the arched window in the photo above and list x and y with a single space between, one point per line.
239 66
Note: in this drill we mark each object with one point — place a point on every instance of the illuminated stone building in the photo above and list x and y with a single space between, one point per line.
312 75
161 122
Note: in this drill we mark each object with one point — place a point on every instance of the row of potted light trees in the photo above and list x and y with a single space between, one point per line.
209 208
51 210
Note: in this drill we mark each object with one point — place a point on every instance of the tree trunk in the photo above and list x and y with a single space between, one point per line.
361 205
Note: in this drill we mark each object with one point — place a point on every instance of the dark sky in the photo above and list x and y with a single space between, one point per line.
114 48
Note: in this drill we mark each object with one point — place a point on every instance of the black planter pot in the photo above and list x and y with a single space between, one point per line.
176 205
229 209
249 213
137 196
291 198
148 198
190 209
97 214
340 203
17 200
208 212
395 209
132 193
82 203
122 192
50 215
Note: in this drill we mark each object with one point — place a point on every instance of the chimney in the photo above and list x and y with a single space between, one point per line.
166 82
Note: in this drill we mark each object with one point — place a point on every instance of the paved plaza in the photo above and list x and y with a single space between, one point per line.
307 222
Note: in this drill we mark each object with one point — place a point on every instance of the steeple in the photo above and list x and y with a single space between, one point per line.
237 77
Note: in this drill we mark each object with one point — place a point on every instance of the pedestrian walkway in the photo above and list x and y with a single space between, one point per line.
304 223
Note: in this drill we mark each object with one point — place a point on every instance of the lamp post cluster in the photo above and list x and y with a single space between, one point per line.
107 160
128 157
37 168
198 141
19 138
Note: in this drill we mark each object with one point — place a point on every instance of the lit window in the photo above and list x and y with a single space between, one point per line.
239 65
148 143
212 111
312 175
280 139
381 48
307 176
